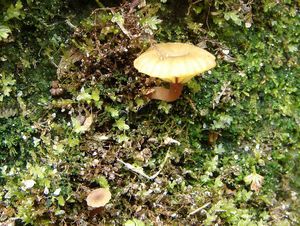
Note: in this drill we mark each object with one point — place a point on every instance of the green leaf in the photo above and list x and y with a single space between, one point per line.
165 107
151 22
101 180
78 128
223 122
234 17
59 148
76 125
84 96
139 102
198 9
219 149
60 200
6 90
117 18
122 138
95 95
194 86
59 212
6 85
4 32
14 11
73 141
113 112
121 124
134 222
292 48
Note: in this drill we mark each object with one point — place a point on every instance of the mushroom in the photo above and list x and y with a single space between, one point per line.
176 63
98 197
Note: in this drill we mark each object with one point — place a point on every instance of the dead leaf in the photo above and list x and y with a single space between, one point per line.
255 180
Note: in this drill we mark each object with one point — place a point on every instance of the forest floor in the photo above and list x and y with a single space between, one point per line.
75 116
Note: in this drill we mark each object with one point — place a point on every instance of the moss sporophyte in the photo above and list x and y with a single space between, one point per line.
176 63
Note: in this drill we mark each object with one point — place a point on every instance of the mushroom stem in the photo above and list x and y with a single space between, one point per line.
169 95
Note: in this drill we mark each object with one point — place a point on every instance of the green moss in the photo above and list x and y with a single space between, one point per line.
239 121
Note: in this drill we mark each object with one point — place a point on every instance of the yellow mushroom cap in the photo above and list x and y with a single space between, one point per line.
169 61
98 197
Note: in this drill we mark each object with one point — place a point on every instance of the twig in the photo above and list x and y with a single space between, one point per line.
200 208
133 4
68 22
134 169
218 98
140 171
190 6
161 167
123 29
192 104
206 20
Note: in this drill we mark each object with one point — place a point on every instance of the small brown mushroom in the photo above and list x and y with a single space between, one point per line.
56 90
98 197
176 63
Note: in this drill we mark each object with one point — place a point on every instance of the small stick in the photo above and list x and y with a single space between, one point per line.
133 4
134 169
123 29
190 6
161 167
200 208
140 170
68 22
218 98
